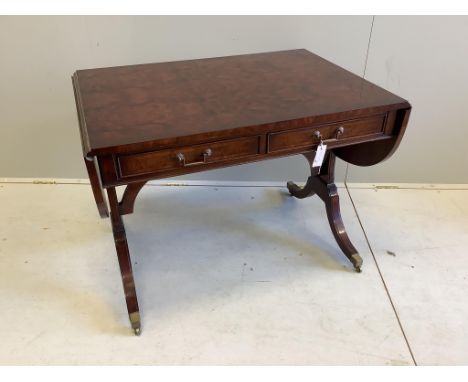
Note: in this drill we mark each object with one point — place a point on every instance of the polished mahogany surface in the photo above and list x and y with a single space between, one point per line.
161 104
154 121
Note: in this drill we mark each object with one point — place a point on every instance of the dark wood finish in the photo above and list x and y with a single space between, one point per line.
125 263
372 152
92 166
127 204
165 160
152 121
331 134
188 102
96 186
323 185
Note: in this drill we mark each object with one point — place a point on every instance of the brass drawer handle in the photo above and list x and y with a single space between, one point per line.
339 131
318 135
181 158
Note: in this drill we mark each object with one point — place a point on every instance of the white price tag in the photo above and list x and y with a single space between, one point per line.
319 155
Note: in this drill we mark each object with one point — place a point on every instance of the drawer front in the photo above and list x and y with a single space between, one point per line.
330 134
186 157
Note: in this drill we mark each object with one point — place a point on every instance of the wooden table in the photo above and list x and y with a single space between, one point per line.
152 121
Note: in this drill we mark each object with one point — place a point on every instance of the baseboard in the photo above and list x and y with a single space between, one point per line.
408 186
231 183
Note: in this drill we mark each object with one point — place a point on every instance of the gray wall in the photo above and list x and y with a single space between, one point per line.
420 58
425 60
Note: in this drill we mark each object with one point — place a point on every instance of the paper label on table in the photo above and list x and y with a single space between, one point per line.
319 155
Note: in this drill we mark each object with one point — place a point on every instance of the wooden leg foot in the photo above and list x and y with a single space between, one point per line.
329 195
300 192
125 263
308 189
323 185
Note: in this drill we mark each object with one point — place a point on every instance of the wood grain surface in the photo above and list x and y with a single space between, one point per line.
186 102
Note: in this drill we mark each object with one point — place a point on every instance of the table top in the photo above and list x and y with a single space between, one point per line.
161 103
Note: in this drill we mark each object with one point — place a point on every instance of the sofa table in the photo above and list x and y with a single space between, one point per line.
151 121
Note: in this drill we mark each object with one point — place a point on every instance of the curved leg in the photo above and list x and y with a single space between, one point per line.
332 204
300 192
127 203
125 263
307 190
323 185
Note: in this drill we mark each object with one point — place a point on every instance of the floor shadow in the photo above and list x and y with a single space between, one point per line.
171 230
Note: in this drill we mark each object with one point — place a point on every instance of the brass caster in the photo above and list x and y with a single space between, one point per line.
357 262
135 321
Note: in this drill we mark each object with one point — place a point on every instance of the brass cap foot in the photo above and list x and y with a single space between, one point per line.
136 323
357 262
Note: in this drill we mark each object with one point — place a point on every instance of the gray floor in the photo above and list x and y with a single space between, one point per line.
235 275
